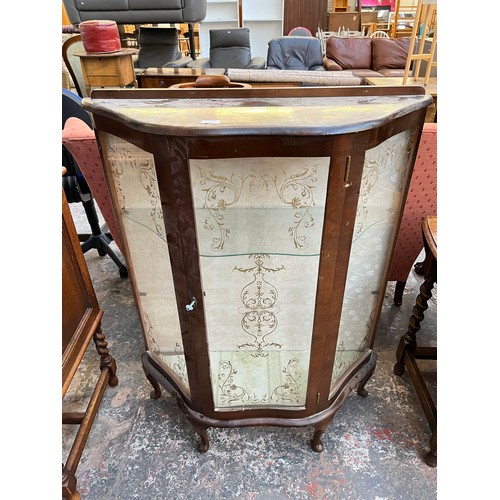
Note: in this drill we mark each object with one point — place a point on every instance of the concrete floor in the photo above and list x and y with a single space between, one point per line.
141 448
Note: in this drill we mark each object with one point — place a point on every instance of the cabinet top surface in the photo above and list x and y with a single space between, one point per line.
246 112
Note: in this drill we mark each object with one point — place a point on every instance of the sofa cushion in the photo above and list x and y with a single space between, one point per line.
350 52
331 65
390 53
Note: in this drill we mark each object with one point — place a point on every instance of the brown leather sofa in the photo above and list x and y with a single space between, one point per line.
367 57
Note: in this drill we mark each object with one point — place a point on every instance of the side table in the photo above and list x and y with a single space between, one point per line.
430 88
108 69
408 352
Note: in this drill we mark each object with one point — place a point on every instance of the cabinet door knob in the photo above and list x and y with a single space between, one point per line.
194 303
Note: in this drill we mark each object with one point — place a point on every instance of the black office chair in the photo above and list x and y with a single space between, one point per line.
159 48
230 48
295 53
77 190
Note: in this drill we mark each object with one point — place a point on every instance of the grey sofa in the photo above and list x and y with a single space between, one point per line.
138 12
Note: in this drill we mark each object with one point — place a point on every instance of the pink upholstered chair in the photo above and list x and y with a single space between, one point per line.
81 142
421 201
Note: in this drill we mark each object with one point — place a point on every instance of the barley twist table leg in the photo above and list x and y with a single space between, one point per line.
408 341
107 361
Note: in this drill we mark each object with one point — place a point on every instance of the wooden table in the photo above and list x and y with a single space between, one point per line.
108 69
431 88
152 78
408 352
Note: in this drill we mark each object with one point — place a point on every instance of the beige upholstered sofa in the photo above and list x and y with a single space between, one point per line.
294 77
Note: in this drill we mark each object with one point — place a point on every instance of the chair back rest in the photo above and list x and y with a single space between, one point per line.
230 48
294 53
73 63
72 106
421 201
299 31
157 47
379 34
80 141
73 181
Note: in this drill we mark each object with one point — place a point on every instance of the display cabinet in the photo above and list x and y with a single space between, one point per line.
259 225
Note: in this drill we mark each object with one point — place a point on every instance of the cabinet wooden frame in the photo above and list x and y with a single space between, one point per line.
344 141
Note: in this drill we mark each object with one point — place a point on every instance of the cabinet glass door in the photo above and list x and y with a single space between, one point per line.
381 193
136 187
259 224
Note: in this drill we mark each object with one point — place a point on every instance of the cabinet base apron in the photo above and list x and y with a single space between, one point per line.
355 378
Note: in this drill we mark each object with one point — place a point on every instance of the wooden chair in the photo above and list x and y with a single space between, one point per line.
379 34
81 323
408 351
73 64
425 18
323 36
421 200
368 28
85 179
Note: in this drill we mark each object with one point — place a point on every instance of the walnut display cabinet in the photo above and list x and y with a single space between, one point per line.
259 226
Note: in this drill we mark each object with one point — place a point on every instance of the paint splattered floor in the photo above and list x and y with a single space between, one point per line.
141 448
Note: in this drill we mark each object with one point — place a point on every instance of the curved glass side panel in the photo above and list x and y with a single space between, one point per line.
259 225
135 184
384 174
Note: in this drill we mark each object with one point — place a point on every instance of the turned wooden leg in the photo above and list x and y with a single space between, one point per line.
156 392
319 429
408 341
419 268
69 490
107 361
316 443
398 292
431 457
204 443
360 390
